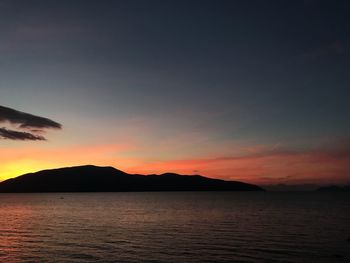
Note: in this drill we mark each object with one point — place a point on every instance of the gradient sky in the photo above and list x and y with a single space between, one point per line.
256 91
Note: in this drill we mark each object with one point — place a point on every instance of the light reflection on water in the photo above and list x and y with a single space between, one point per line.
175 227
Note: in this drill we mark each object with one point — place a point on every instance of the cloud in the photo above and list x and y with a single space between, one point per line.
26 120
328 163
33 124
16 135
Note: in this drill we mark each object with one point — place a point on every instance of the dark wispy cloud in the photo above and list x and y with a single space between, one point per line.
16 135
26 120
33 124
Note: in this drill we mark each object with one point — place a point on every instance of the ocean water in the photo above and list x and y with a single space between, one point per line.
175 227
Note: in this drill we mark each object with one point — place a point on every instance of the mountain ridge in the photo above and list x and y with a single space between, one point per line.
91 178
334 188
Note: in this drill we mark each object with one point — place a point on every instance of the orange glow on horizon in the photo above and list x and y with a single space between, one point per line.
259 165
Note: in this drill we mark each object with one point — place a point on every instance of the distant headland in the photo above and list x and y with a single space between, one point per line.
91 178
334 188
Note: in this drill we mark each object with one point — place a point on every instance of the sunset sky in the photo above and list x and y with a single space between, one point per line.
257 91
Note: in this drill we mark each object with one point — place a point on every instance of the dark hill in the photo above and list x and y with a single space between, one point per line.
108 179
334 188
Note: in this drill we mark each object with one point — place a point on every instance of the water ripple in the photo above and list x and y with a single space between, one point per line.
174 227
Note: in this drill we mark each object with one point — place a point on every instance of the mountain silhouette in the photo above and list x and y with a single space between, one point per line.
334 188
91 178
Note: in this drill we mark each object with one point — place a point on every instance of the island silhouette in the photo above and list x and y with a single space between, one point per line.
90 178
334 188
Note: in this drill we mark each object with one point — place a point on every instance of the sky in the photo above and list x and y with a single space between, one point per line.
256 91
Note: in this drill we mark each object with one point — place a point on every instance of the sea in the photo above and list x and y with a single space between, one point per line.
175 227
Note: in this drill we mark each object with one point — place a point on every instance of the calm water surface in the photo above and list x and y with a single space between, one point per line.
175 227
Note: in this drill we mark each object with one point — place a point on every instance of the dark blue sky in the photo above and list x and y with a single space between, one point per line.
251 72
